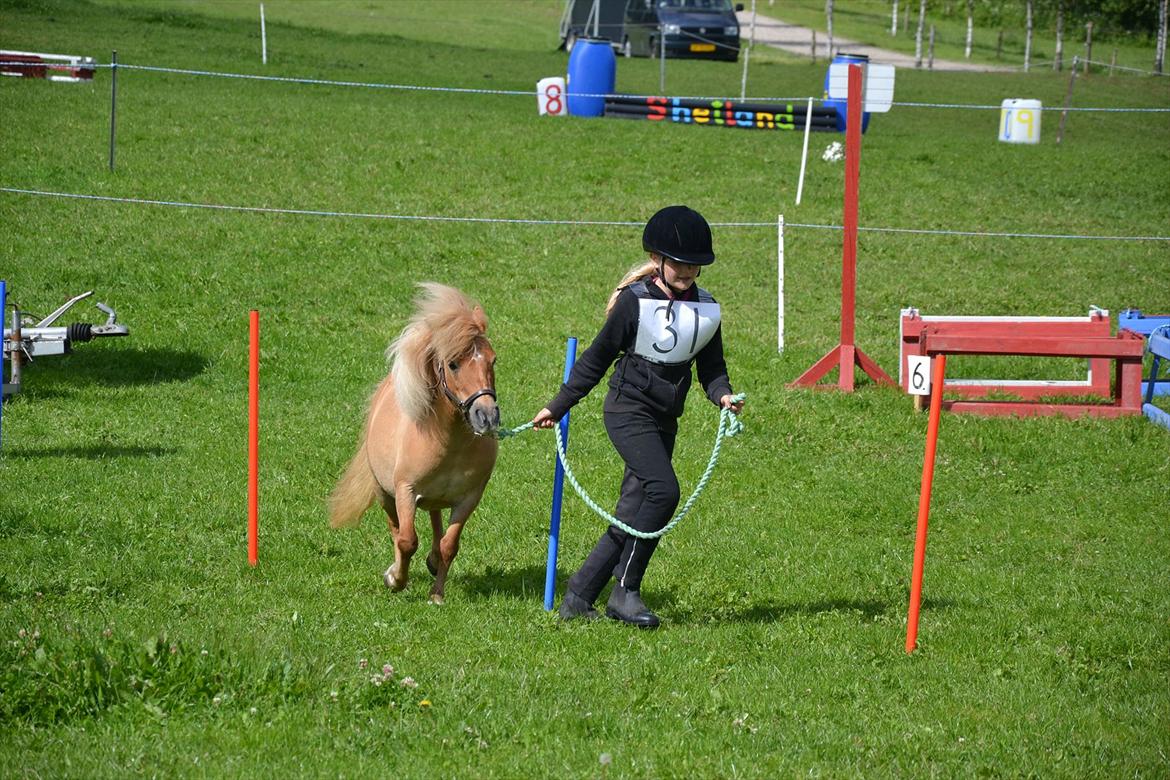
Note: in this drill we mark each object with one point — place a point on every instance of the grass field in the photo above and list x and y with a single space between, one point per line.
136 640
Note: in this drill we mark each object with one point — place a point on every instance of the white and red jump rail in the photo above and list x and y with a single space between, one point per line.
1070 337
54 67
1095 324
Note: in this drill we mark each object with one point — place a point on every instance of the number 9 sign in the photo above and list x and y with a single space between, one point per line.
550 96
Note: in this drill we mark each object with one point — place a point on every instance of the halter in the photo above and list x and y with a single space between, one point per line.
463 406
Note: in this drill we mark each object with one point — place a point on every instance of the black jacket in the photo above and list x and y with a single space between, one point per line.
637 383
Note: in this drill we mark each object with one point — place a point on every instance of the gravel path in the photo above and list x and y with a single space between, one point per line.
798 40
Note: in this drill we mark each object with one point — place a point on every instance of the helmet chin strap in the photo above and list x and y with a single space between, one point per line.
662 275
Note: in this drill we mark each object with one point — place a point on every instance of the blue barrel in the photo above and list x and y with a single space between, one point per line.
841 105
592 71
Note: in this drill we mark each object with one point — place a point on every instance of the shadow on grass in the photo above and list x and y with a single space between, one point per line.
528 583
862 610
52 377
88 452
496 582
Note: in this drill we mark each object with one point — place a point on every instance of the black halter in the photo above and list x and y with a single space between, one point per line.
463 406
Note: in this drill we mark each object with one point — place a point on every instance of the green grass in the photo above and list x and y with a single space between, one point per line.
149 647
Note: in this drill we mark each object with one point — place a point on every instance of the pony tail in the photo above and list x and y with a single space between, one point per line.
354 492
634 274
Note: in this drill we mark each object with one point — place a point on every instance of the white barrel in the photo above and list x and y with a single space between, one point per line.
1019 121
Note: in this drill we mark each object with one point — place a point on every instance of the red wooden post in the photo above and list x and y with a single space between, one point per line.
936 393
254 438
847 354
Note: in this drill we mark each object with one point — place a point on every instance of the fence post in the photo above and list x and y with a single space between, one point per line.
113 103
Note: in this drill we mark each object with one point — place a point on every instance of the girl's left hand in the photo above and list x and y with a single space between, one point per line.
727 403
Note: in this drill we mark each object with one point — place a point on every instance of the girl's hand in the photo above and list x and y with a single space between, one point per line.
544 419
735 406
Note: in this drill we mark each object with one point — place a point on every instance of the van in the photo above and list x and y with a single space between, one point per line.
693 28
705 29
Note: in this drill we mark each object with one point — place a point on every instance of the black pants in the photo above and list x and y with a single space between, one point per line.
649 496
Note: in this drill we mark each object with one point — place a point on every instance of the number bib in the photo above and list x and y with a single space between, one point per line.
674 331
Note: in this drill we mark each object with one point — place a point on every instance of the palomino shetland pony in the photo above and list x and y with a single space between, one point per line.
428 440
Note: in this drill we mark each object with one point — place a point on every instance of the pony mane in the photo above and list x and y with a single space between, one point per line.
446 325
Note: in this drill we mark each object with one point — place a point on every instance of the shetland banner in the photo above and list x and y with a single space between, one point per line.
721 113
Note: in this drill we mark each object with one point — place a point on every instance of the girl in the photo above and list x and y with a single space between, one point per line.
658 323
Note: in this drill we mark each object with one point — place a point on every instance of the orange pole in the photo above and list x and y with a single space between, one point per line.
936 393
254 439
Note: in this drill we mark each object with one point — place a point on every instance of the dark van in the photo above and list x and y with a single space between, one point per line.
692 28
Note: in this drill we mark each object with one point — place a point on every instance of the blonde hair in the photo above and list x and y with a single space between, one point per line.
648 267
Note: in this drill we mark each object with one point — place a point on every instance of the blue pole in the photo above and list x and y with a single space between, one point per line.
3 305
554 520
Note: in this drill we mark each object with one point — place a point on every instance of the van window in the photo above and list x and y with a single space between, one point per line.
697 5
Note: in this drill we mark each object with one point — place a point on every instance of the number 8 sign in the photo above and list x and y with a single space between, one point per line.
550 96
919 368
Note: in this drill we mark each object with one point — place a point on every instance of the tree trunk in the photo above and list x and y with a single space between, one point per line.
1028 38
1088 45
1058 57
1160 50
918 35
829 20
970 27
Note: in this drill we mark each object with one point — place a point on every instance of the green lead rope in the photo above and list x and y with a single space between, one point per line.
729 425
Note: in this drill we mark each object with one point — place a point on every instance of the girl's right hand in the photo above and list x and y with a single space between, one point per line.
543 419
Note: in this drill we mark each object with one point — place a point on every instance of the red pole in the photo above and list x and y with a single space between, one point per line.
254 439
936 393
852 188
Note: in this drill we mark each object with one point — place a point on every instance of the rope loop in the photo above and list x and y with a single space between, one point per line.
729 425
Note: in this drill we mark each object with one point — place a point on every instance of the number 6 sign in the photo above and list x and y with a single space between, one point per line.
550 96
919 368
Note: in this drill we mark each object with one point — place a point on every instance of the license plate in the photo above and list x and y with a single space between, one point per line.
702 47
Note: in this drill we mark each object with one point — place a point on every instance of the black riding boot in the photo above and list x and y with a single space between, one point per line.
574 606
628 607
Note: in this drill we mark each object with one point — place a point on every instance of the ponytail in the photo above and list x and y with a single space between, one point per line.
647 268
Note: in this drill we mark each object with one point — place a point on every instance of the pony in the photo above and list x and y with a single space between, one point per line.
429 436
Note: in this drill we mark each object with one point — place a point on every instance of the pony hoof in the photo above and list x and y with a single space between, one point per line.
390 578
437 599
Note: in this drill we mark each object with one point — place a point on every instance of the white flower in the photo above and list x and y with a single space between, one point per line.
833 152
408 682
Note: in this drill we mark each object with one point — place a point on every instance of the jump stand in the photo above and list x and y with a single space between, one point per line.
847 354
1158 346
1146 324
912 325
1125 349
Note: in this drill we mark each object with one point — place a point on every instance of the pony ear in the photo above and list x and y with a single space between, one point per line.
479 317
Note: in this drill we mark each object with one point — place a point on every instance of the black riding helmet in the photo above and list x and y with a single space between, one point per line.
680 233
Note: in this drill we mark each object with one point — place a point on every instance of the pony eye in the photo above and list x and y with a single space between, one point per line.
453 366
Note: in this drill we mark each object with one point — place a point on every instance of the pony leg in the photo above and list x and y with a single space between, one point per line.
405 539
448 546
435 557
436 536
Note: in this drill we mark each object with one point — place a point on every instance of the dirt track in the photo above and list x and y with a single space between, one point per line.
792 38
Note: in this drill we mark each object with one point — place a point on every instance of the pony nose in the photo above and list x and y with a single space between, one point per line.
485 415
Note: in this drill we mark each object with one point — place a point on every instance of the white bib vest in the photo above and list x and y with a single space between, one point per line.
674 332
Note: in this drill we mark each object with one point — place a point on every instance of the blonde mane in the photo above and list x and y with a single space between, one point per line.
446 326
